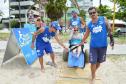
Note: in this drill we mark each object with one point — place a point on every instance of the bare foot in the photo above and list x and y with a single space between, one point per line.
92 81
42 69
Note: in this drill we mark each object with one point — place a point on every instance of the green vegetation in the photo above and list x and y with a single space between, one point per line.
117 58
120 40
105 11
4 36
121 13
15 24
1 26
58 7
82 14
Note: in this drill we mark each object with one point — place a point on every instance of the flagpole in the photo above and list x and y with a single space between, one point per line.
114 16
19 13
9 17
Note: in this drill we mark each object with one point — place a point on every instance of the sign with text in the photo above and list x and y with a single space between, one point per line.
24 40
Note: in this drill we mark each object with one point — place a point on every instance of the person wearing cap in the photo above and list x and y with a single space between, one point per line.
43 36
75 21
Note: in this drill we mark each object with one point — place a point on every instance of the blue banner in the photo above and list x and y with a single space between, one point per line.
74 61
31 27
24 40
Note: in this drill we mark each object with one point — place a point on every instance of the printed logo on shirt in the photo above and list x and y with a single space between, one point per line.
46 38
97 29
101 22
74 23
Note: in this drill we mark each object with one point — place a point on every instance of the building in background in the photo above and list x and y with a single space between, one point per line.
19 11
83 5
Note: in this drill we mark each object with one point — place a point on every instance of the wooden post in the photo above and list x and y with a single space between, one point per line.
114 16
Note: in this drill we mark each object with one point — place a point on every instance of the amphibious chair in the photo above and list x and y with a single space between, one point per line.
74 59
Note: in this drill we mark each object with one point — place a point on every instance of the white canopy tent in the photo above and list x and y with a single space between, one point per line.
117 22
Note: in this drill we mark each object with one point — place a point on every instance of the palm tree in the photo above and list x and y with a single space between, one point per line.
55 9
104 10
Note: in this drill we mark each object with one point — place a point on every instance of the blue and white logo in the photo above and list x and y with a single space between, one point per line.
24 40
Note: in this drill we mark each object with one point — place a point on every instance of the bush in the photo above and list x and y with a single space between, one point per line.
1 26
15 24
4 36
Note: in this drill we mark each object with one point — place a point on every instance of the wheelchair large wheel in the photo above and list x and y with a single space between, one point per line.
65 55
86 53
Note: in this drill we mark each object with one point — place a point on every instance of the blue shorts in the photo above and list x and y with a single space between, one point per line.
97 55
40 48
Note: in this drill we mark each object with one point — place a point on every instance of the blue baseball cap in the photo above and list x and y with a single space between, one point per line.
74 12
56 25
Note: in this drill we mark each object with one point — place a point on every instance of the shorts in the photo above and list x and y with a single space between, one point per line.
40 48
97 55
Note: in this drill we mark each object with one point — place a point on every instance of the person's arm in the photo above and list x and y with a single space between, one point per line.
68 24
34 36
59 42
109 29
82 21
85 35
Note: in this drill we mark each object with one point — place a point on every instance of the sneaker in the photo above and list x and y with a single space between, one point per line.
48 63
54 65
51 64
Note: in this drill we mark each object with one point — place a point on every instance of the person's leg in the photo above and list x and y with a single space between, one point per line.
97 65
52 55
40 53
102 54
93 61
41 62
93 71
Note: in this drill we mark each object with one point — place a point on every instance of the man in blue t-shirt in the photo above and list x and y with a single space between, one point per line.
43 36
75 21
98 27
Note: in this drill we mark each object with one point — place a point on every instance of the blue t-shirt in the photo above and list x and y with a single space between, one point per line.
45 36
98 33
75 21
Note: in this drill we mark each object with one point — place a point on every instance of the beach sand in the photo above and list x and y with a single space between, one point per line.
16 71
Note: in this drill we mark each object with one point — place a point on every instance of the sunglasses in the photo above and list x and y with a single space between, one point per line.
92 13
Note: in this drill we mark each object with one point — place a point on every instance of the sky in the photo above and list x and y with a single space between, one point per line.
104 2
5 6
